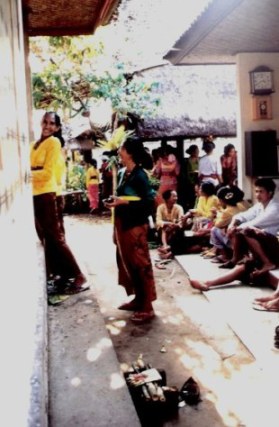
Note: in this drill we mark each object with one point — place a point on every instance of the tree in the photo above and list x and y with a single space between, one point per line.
72 71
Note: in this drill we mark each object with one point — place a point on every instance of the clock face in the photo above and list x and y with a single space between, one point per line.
262 80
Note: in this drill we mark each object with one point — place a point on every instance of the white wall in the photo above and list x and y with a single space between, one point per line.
245 63
21 285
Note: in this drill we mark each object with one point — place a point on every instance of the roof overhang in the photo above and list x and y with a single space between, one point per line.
227 28
66 17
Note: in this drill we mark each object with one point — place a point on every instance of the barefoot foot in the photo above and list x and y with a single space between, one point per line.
201 286
265 268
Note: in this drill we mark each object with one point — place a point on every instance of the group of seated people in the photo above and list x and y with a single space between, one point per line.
210 216
225 228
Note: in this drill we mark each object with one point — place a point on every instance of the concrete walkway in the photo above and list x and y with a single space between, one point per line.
86 385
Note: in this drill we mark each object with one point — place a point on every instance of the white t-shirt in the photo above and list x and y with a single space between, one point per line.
208 165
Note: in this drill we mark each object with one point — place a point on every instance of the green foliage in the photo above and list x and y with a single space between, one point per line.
76 179
71 74
154 182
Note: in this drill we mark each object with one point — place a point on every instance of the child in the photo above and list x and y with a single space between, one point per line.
92 185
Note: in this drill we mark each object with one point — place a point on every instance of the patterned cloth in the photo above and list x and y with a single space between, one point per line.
134 264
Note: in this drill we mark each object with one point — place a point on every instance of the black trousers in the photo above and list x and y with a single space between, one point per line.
59 257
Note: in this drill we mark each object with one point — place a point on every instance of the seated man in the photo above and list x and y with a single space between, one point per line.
254 233
168 216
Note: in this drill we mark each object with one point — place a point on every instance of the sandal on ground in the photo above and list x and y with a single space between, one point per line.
161 265
129 306
57 299
259 307
142 316
209 254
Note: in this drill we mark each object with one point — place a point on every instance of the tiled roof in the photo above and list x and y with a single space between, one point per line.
227 28
66 17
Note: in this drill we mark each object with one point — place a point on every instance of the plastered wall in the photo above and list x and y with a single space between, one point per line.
19 309
245 63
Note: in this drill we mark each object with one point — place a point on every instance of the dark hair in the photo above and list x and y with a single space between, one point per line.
208 146
191 149
230 195
239 194
267 183
166 194
166 149
140 156
93 162
228 148
208 188
57 134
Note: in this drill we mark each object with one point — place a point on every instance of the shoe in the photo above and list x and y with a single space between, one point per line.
75 289
56 286
228 264
142 316
190 392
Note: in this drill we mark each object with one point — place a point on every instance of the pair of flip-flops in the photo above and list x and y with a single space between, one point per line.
259 307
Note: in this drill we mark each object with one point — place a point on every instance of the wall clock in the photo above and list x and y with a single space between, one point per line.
261 81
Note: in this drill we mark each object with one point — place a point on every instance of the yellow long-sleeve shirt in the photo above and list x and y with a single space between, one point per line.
205 204
45 157
162 214
92 176
60 173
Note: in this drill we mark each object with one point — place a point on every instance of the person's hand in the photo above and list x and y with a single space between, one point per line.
231 230
114 201
213 210
173 225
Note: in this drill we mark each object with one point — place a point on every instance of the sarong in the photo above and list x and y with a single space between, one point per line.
135 271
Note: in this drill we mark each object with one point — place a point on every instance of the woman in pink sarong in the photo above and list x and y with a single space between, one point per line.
92 185
167 169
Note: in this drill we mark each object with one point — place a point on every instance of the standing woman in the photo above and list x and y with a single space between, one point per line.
192 174
210 166
167 170
133 204
92 185
229 165
44 156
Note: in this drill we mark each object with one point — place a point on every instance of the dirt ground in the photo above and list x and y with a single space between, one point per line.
186 338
